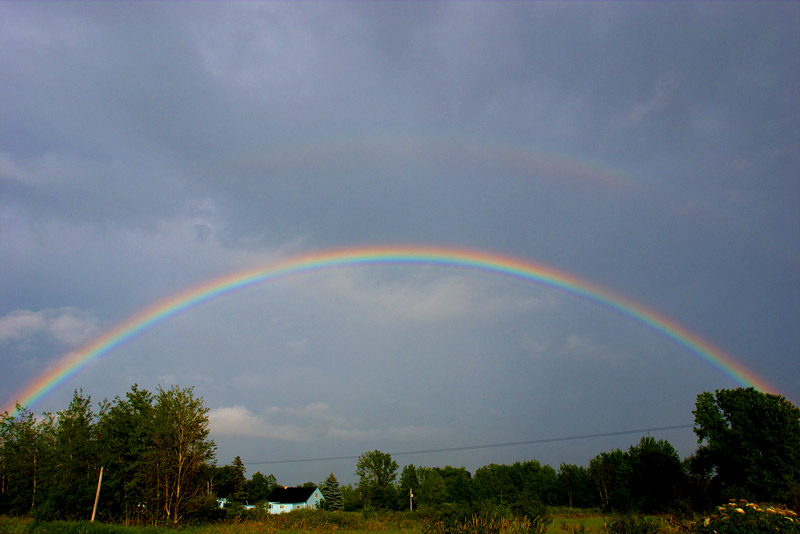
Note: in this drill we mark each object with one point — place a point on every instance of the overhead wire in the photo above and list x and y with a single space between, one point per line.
485 446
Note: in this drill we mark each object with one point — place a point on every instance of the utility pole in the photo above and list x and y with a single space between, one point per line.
97 495
411 499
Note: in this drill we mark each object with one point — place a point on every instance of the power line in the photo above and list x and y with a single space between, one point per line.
488 446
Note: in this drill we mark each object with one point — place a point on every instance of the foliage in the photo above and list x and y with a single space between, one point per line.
376 471
26 444
750 444
331 493
180 447
406 486
485 524
154 450
506 484
656 476
633 524
259 487
611 474
73 462
743 517
576 487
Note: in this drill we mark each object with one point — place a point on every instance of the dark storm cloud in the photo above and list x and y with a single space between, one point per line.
649 148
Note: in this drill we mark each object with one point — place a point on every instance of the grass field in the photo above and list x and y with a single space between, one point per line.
562 521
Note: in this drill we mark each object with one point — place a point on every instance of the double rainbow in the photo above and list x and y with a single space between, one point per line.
520 269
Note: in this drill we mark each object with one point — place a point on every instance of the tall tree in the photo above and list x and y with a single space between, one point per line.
656 475
181 448
576 486
377 471
332 493
611 474
26 442
259 487
125 439
750 443
73 463
239 482
458 481
432 488
408 484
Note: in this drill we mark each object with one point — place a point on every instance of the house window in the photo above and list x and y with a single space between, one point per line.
281 507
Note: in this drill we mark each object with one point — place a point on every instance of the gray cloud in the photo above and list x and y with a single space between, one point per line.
650 149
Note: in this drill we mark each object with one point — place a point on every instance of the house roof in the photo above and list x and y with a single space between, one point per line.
288 495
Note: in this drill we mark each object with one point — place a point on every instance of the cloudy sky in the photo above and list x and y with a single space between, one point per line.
649 149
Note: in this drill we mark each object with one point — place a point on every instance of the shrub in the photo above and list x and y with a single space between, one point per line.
632 524
743 517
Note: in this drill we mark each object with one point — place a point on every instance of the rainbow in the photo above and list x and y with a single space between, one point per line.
520 269
508 155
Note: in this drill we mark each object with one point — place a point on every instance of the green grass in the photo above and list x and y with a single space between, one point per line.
576 522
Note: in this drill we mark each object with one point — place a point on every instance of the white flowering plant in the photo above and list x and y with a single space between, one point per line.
742 517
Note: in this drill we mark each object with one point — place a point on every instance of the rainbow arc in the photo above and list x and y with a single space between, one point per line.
74 362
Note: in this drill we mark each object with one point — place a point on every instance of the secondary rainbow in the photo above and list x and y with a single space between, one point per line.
475 260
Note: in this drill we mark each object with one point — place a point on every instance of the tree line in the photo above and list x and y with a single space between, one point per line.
749 448
159 466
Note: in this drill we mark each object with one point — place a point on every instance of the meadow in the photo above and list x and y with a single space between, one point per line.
560 522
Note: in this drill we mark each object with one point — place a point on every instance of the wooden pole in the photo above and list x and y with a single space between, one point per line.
97 495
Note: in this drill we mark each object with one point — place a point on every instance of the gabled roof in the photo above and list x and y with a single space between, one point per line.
289 495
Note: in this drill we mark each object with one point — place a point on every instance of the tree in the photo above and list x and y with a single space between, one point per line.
124 441
26 443
656 475
238 481
376 471
73 463
408 484
332 493
432 489
458 481
576 486
259 487
750 444
611 474
181 448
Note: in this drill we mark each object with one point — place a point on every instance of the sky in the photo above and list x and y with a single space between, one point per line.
649 149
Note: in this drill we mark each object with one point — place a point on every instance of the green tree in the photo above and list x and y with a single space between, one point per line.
576 486
749 444
259 487
332 493
352 498
432 488
238 481
181 448
124 440
494 483
656 475
377 471
459 482
611 474
73 463
408 484
26 443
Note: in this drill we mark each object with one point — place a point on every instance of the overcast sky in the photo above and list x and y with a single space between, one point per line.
651 149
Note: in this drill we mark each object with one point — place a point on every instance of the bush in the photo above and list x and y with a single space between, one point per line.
632 524
743 517
485 524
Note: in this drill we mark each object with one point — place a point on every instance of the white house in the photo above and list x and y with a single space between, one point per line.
285 499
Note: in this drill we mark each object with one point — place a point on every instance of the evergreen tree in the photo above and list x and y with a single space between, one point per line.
238 482
73 465
332 493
